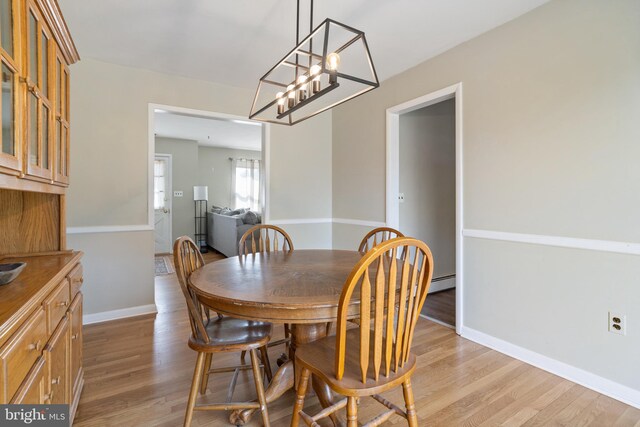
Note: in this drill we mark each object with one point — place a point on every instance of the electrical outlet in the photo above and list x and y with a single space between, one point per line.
178 193
617 323
401 197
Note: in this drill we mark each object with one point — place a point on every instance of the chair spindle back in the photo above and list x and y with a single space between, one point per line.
264 238
187 259
377 236
394 279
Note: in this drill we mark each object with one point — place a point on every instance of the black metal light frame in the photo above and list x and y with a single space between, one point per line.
302 69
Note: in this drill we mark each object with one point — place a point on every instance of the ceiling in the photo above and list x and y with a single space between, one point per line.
208 131
236 42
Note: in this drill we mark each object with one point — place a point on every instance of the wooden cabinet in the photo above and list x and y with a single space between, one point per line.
75 343
22 350
32 390
36 50
41 332
11 141
58 359
41 311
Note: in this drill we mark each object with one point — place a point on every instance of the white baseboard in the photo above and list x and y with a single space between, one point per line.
441 285
595 382
122 313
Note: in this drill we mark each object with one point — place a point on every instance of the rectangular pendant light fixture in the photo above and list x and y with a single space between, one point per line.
330 66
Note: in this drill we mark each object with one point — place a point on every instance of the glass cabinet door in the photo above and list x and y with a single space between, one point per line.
61 130
40 152
10 147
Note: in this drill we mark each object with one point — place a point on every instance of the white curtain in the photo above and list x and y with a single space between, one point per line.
245 184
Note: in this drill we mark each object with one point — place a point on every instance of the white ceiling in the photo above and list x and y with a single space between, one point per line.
235 42
209 132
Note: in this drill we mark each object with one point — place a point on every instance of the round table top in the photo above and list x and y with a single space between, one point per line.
299 286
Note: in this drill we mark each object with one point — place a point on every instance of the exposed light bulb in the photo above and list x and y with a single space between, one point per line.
292 95
333 61
302 88
280 98
315 71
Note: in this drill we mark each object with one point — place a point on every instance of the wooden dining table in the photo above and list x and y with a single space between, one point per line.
300 287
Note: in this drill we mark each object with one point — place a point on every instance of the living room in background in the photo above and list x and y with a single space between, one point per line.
223 153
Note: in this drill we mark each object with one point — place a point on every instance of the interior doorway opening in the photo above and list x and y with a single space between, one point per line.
200 158
424 191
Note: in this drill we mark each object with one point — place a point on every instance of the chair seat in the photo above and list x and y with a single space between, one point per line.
319 357
231 334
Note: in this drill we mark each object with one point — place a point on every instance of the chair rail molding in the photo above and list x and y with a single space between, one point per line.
559 241
109 229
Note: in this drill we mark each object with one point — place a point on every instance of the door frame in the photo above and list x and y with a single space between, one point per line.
169 187
266 153
393 175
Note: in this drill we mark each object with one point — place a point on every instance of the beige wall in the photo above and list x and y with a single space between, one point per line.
109 172
428 180
551 103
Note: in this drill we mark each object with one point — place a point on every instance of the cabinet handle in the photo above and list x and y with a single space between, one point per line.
49 397
63 304
75 336
56 380
35 346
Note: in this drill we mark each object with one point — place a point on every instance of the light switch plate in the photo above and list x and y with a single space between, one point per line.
178 194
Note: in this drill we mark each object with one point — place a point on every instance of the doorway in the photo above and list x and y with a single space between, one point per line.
424 190
162 166
198 157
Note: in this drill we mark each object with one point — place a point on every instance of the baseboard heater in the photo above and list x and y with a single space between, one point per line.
439 279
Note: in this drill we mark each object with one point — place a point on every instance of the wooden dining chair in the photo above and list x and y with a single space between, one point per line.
267 238
376 236
219 334
376 356
264 238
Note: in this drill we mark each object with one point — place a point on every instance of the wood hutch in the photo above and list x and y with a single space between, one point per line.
41 310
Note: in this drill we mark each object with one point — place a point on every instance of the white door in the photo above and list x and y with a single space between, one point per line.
162 202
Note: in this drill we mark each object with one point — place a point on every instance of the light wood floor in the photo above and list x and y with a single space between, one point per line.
138 372
441 306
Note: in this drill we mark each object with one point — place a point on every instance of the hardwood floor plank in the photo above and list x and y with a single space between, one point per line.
138 372
441 306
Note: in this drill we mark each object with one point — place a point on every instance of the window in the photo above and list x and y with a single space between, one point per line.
159 184
245 185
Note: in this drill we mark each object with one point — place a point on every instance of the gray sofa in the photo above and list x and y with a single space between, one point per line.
224 232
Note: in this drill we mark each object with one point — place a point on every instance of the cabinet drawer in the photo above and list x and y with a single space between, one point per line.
75 280
56 305
32 390
22 350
